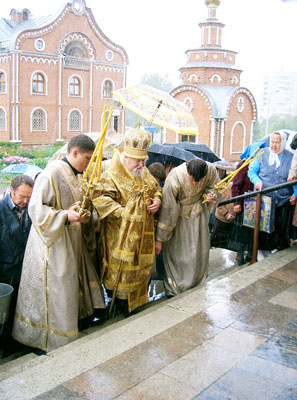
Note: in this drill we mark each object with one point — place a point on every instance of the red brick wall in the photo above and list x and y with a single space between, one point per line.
35 61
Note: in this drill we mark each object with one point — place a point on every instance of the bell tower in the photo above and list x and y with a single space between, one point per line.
211 29
210 64
210 86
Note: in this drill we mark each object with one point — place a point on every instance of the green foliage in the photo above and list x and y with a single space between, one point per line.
39 155
40 162
5 179
7 144
275 122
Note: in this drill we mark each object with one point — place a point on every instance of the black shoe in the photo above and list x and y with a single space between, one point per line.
241 261
248 259
39 352
100 315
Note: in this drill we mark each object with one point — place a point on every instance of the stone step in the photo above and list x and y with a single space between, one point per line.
10 368
101 343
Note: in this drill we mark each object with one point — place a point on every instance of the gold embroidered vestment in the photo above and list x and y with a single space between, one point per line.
127 231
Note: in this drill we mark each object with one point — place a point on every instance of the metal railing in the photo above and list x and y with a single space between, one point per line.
258 194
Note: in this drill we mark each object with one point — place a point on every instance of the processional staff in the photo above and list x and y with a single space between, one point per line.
97 167
223 184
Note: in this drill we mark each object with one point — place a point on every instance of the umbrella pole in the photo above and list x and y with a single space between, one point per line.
155 112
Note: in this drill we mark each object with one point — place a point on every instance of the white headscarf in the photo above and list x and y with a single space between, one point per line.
273 157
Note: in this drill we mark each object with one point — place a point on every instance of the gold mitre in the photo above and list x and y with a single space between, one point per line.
212 3
137 143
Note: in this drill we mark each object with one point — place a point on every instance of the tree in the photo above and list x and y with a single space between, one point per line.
276 122
157 81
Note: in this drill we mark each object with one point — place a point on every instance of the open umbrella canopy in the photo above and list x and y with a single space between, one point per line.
168 155
158 107
200 150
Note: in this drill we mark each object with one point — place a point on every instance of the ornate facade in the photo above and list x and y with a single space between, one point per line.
224 112
56 74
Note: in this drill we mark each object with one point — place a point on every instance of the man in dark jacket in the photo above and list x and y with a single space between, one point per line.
15 225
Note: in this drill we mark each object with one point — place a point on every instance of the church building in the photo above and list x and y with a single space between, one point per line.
224 111
56 74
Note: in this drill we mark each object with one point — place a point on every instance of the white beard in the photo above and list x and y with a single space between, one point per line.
138 172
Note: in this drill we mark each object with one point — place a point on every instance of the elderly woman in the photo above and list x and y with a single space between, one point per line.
268 170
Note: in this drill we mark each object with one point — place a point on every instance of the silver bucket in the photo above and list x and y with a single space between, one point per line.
5 300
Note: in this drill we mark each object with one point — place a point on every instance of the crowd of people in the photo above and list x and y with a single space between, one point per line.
64 261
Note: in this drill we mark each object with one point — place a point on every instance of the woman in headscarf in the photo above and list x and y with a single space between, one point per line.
272 169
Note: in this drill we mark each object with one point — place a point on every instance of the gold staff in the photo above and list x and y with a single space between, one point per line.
98 154
230 177
223 184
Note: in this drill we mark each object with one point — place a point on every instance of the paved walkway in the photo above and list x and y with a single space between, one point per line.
233 338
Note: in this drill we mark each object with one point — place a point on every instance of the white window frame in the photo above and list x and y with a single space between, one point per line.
189 100
232 137
31 120
5 120
216 76
234 80
81 121
112 88
45 84
5 90
193 77
81 86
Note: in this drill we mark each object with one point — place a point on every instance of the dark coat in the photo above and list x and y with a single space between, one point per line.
13 239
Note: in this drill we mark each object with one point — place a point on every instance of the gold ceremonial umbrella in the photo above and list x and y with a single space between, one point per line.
158 107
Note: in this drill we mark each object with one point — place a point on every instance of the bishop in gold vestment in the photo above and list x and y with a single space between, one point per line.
126 202
59 283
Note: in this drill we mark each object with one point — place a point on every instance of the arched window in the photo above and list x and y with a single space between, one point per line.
38 83
76 56
75 86
189 103
74 121
193 78
107 89
2 82
234 80
238 138
2 119
38 120
215 78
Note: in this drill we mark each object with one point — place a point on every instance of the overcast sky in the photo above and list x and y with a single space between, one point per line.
157 33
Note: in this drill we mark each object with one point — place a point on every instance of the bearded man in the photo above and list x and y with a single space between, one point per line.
126 199
59 283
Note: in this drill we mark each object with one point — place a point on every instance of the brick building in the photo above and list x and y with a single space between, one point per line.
56 74
224 112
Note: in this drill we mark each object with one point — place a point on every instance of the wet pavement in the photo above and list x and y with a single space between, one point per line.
235 337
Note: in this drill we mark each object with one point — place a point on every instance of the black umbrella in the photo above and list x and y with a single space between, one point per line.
200 150
168 155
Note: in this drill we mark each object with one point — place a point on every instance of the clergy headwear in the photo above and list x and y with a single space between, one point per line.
137 143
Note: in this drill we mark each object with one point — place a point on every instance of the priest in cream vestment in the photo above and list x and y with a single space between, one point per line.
126 199
59 283
182 232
